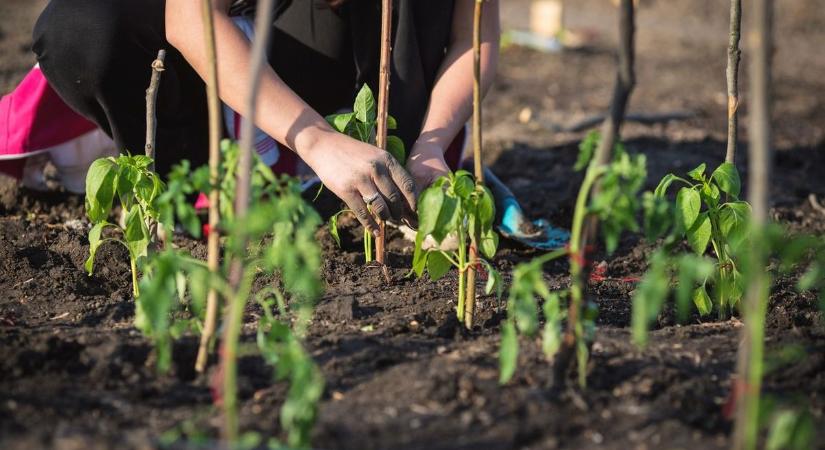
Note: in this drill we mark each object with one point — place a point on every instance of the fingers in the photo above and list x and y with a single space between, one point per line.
359 207
404 182
394 199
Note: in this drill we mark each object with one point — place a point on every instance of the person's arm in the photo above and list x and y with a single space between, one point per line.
451 102
350 169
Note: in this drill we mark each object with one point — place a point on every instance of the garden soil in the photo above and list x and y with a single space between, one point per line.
400 372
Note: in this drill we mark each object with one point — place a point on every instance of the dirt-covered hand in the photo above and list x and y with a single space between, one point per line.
369 180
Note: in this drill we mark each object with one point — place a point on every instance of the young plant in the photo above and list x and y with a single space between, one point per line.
456 206
279 236
130 180
615 205
708 212
361 124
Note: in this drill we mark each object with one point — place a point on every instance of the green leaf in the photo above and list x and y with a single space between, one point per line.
333 228
661 189
698 236
486 208
364 108
587 148
688 205
733 222
698 173
494 281
94 243
437 265
727 178
448 219
100 189
341 122
463 186
395 147
392 124
551 336
136 233
702 301
508 353
488 244
650 296
429 208
526 314
419 255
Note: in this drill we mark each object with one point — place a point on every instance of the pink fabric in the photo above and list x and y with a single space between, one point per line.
33 117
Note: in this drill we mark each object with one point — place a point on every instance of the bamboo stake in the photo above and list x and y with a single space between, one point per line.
748 383
213 243
579 271
229 353
478 169
734 55
383 110
151 108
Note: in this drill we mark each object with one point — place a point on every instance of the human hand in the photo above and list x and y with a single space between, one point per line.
359 174
426 163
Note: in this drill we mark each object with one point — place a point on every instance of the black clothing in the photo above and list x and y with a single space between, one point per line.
97 54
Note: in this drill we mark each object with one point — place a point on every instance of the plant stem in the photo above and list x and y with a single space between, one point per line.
263 27
462 276
721 252
151 100
383 105
367 246
213 242
470 301
583 234
749 359
135 288
229 355
733 77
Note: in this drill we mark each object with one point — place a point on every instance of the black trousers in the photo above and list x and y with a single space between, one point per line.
97 55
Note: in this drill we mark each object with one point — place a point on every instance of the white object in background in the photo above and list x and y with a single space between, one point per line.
547 18
71 159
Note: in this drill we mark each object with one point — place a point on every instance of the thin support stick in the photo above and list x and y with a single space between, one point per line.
734 55
749 364
470 301
213 242
151 101
263 27
383 107
625 82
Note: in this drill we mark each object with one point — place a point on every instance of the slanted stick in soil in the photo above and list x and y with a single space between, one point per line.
470 300
580 239
733 78
213 241
234 318
151 108
383 107
749 363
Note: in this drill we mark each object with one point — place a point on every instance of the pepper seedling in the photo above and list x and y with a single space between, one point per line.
129 179
361 124
708 211
454 205
615 205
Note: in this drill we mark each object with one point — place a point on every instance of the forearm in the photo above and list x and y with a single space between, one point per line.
280 112
451 101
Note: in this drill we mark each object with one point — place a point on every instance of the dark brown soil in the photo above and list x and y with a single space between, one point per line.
400 372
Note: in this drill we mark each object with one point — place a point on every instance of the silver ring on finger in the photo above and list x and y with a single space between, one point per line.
370 199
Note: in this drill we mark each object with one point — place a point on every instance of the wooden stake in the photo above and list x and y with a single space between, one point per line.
579 270
748 382
213 242
733 77
151 100
383 109
234 319
478 168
